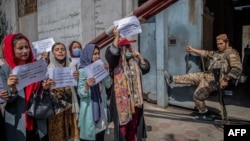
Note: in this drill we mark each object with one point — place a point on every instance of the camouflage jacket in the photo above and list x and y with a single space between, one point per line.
228 61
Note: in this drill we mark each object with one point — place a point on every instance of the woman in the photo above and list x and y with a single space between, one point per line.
93 98
75 49
126 102
63 126
18 125
3 98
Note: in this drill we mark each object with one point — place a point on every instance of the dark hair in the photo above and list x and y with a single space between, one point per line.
57 43
222 37
17 38
71 46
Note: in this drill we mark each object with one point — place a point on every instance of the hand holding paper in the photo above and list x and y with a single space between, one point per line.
128 26
3 93
11 82
96 70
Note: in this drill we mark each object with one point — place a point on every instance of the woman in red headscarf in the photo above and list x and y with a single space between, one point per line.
18 125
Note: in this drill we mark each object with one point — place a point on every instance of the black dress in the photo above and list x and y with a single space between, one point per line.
2 133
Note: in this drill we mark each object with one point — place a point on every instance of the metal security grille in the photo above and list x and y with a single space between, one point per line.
26 7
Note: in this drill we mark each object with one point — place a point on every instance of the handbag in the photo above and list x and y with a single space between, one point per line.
40 106
61 100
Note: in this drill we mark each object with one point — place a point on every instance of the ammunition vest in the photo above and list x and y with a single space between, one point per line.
219 61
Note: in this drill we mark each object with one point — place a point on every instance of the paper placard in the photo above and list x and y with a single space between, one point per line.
128 26
96 70
30 73
43 45
62 76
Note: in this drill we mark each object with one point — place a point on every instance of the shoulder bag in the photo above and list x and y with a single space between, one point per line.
40 105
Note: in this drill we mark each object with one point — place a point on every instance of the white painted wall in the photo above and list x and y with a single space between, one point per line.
28 26
80 20
10 11
60 20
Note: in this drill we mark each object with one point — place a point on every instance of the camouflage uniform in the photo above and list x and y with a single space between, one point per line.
228 61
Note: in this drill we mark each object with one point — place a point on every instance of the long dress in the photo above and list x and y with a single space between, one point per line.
63 126
113 60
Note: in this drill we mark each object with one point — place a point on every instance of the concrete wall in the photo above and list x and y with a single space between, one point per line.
28 26
60 20
8 17
81 20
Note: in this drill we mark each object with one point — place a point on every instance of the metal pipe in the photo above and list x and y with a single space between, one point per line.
153 11
144 12
144 7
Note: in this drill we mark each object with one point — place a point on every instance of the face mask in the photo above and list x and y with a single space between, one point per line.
76 52
128 55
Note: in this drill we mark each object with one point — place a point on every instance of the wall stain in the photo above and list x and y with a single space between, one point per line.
3 21
192 15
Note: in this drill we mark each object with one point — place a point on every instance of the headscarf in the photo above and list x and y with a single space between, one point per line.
86 55
71 48
55 64
9 56
85 60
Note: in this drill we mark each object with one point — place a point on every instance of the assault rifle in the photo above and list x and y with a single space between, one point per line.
216 73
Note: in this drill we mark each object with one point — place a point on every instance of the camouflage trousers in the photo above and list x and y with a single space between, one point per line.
205 83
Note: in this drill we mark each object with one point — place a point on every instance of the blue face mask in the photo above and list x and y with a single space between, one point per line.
76 52
128 55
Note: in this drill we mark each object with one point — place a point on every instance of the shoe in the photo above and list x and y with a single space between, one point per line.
167 78
148 128
204 116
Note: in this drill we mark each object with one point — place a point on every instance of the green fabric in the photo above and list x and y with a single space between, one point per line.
85 123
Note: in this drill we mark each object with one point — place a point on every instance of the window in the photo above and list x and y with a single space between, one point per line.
26 7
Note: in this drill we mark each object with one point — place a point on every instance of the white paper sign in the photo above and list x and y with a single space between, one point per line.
76 61
128 26
1 89
30 73
43 45
62 76
96 70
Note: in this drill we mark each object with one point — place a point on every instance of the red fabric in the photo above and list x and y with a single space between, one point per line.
8 52
125 42
129 131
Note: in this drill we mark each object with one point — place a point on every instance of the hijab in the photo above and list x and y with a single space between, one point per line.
9 56
71 48
96 101
55 64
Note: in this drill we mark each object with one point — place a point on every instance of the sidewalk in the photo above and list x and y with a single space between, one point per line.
176 124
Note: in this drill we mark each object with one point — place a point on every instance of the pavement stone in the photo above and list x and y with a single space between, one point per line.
172 124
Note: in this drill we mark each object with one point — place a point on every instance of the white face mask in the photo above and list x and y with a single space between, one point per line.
76 52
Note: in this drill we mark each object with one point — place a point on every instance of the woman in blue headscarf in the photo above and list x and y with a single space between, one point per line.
93 98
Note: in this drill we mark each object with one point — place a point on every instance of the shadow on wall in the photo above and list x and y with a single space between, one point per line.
3 22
